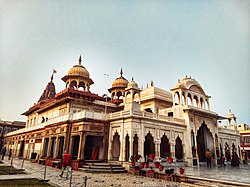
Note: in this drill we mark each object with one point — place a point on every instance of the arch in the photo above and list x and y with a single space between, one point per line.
196 102
136 96
119 94
113 95
73 85
227 152
149 146
81 86
189 99
183 98
177 98
206 104
135 145
204 141
201 103
164 147
233 148
128 94
116 146
178 149
127 146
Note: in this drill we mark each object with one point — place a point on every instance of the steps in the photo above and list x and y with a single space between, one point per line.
102 167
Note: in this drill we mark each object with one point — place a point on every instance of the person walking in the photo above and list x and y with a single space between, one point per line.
10 154
208 157
3 153
65 165
222 160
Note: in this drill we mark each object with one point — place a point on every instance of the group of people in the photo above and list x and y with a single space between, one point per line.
235 161
4 153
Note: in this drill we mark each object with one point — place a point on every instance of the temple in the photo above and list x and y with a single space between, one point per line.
131 121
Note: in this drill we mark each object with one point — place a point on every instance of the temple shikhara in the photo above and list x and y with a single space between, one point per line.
130 121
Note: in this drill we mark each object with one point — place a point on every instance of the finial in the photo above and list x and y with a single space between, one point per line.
80 60
186 76
178 80
147 85
230 110
152 83
121 72
52 76
132 78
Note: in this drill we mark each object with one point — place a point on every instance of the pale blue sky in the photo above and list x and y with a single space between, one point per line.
152 40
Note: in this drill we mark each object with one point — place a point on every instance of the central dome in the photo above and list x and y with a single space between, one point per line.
78 70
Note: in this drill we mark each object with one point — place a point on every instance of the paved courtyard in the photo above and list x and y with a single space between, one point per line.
35 170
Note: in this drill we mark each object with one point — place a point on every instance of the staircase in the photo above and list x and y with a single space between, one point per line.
102 167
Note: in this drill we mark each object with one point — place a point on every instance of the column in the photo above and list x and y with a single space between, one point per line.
49 148
82 146
57 147
104 145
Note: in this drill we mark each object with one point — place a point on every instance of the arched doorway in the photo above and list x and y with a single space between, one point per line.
227 152
204 141
149 146
127 145
135 146
164 147
116 146
21 149
178 149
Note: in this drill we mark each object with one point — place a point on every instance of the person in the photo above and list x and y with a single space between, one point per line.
3 153
222 160
235 160
10 154
208 157
65 165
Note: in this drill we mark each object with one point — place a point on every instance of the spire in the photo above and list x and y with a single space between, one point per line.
80 60
52 76
121 72
152 83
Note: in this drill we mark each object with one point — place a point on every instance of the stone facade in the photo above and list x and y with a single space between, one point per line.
132 121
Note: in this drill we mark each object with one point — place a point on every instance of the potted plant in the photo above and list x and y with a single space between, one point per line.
182 170
169 172
157 164
151 171
161 167
132 158
151 157
170 159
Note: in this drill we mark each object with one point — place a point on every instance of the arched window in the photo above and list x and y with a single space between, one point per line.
177 98
196 101
189 99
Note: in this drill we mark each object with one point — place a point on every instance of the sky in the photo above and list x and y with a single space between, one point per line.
154 40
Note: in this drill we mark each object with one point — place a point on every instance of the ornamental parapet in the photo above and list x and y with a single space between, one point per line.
144 114
63 118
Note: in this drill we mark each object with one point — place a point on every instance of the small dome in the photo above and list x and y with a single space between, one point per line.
133 84
120 82
230 115
79 70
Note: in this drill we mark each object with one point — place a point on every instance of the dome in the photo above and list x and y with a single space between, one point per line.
78 70
190 84
132 84
230 115
120 82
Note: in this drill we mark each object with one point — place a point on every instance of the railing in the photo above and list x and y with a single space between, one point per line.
26 129
75 116
144 114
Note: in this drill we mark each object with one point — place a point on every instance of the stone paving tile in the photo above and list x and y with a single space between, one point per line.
35 170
